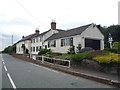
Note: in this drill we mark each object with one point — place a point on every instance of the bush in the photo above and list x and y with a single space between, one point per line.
64 56
52 54
10 49
114 50
97 53
81 56
71 50
86 49
43 51
79 48
108 58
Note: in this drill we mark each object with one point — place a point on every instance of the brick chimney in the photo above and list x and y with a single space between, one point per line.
37 31
22 36
53 25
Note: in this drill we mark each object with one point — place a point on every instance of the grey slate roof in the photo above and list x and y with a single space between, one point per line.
29 37
68 33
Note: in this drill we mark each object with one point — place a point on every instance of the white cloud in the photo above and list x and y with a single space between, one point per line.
67 13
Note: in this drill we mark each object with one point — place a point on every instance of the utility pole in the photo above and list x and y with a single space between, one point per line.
12 39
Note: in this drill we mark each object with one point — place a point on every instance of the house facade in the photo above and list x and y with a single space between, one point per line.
61 40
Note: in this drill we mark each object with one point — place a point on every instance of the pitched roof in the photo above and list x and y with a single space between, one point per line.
60 30
68 33
27 37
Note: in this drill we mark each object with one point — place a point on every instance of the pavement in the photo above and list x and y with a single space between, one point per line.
17 73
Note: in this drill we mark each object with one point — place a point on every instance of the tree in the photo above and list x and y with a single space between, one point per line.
10 49
114 30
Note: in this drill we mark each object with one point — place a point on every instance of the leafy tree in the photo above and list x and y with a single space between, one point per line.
114 30
10 49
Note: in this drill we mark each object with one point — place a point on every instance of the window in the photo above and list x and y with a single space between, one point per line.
40 47
67 42
52 43
33 49
40 39
37 49
45 46
37 39
33 40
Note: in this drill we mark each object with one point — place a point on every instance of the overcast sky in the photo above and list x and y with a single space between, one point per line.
22 17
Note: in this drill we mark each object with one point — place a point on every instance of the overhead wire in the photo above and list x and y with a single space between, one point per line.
36 19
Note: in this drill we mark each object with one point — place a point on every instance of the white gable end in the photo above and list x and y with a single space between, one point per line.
92 32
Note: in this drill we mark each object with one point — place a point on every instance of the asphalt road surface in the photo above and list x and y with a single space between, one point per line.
20 74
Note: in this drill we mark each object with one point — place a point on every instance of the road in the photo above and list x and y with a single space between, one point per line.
20 74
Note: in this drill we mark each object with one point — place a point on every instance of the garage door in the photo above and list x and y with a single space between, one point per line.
92 43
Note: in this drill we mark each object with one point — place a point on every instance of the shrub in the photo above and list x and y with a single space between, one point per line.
86 49
78 48
108 58
43 51
64 56
114 50
52 54
81 56
71 50
97 53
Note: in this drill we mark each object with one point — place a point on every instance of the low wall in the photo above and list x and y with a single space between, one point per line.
93 65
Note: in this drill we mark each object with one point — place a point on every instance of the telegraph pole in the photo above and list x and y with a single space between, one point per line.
12 39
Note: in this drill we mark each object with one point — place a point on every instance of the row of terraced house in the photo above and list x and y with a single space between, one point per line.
59 41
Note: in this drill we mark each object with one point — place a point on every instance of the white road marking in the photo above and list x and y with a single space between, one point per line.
11 81
44 68
2 58
13 84
5 68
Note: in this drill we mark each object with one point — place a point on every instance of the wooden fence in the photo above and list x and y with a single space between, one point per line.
53 61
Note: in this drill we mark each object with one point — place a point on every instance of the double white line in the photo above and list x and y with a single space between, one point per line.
11 80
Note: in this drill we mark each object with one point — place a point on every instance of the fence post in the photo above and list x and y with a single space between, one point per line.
42 59
69 63
30 56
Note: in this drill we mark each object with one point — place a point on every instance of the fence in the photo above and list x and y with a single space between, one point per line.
53 61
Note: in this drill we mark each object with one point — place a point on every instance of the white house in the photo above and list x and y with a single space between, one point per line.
60 40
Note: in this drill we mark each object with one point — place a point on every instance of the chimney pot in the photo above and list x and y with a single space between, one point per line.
53 25
22 36
37 31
